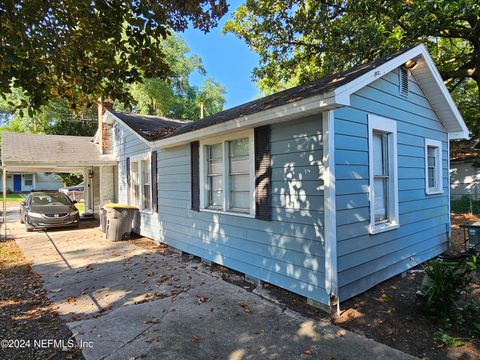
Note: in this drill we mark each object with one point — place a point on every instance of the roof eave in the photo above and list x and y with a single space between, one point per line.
311 105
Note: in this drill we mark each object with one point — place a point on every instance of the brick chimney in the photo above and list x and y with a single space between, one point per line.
105 128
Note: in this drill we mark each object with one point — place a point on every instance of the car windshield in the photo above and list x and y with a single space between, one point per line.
50 199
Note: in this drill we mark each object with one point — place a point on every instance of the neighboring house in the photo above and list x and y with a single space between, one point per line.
24 182
325 189
465 169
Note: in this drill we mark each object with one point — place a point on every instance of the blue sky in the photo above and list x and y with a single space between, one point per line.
226 58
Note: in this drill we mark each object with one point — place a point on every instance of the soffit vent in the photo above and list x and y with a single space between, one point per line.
403 81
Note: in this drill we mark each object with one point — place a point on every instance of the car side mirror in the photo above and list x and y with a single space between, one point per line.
74 201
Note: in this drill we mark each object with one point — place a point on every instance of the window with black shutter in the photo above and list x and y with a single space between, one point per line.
263 174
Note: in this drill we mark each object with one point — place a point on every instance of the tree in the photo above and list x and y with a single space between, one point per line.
298 41
174 96
78 50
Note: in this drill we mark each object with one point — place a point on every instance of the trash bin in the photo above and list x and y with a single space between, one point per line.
119 221
103 219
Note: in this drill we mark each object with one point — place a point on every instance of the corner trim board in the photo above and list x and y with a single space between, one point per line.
330 227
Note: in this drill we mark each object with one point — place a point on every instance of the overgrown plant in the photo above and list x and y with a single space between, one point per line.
446 281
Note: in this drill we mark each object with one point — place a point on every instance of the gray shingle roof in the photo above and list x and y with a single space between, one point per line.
37 149
149 127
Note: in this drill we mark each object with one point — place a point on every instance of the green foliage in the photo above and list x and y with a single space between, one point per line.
298 41
71 179
465 205
53 118
446 281
80 50
174 96
443 338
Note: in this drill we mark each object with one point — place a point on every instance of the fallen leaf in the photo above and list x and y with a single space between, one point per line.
195 339
152 340
71 299
151 321
308 351
245 308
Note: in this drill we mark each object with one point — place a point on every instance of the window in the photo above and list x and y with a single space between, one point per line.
239 175
228 175
383 174
28 179
215 176
433 167
141 182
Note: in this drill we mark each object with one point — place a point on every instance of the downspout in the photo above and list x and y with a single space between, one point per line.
330 224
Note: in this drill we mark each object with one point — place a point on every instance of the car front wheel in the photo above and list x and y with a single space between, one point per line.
28 228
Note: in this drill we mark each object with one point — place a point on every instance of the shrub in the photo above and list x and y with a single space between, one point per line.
445 282
465 205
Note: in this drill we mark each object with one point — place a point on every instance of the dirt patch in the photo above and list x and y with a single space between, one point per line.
390 314
26 315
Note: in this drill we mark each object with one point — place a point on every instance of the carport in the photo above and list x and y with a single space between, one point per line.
61 154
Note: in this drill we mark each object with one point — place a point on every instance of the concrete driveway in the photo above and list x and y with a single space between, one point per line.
122 302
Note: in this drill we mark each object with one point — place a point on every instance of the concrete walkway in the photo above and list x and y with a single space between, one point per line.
128 302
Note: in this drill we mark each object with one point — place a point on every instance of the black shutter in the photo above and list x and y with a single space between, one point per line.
127 169
263 174
195 173
153 164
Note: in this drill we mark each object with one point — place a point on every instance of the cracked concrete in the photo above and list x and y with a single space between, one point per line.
130 302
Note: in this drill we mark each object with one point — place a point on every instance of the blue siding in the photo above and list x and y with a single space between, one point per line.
364 260
287 251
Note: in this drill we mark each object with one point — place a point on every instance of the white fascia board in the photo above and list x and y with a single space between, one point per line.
343 93
116 118
277 114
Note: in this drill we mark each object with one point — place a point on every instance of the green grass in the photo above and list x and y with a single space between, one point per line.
14 197
80 207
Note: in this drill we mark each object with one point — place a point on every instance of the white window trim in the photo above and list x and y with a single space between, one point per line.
438 174
378 123
203 175
138 159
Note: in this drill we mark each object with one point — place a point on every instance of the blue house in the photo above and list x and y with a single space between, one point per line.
325 189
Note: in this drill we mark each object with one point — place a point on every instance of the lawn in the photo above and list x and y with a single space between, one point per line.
15 197
81 207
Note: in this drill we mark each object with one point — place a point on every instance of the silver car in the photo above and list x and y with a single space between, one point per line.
47 210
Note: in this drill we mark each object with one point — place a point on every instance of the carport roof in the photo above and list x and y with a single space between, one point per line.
27 151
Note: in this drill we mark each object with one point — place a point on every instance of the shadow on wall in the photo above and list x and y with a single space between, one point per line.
287 251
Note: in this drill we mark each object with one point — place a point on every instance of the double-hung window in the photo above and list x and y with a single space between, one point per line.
28 179
433 167
141 182
383 174
227 174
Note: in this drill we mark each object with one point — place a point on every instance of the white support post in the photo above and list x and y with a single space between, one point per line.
4 182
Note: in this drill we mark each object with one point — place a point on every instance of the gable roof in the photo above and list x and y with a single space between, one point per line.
149 127
320 95
39 150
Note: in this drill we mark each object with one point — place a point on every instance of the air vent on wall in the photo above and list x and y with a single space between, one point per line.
403 81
